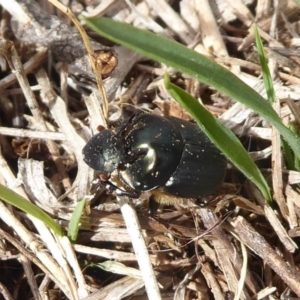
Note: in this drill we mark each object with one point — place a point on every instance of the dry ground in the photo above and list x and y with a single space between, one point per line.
238 242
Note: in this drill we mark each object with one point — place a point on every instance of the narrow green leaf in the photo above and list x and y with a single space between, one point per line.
222 137
118 268
265 68
294 128
20 202
292 161
74 224
194 64
288 154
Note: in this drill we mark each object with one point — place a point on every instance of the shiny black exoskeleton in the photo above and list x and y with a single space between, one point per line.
150 152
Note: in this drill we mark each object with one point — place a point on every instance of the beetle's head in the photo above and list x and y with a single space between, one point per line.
103 152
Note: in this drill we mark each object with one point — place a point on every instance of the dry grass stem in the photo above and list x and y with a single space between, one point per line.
237 246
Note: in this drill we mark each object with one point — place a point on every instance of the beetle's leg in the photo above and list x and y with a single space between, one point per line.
159 198
152 206
204 202
113 189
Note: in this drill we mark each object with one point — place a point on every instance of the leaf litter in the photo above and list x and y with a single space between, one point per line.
237 247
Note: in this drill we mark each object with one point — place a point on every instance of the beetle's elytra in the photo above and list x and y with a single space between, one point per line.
150 152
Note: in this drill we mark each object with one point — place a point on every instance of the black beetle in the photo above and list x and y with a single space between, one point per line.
165 155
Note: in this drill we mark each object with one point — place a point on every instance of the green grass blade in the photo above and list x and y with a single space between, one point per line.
222 137
74 224
288 154
292 161
194 64
20 202
294 128
265 68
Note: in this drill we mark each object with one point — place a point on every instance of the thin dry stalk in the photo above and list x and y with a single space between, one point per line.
259 245
194 258
96 64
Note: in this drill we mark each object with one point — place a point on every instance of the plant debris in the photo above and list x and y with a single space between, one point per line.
235 246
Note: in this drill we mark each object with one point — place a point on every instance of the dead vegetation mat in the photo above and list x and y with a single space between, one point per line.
237 245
